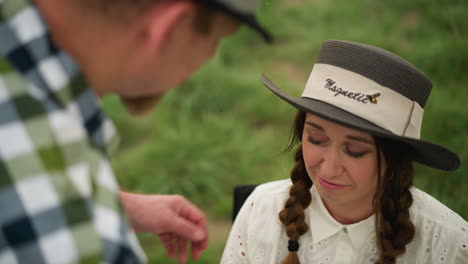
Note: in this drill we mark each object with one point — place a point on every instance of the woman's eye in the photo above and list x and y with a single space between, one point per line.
353 152
356 154
314 141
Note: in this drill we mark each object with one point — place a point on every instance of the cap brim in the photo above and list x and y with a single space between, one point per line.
248 19
424 152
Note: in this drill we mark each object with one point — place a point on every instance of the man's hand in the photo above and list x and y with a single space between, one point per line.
171 217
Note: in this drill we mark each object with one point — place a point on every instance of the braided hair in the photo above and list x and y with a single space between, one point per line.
393 199
292 216
391 202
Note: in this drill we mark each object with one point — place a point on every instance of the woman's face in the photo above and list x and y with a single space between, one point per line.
342 163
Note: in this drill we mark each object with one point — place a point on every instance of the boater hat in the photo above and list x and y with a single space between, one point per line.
244 11
371 90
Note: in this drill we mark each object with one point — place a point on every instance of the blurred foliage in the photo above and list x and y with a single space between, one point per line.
222 128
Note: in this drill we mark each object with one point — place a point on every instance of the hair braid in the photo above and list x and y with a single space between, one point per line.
392 202
292 216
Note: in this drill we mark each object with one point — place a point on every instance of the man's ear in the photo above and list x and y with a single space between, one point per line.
162 19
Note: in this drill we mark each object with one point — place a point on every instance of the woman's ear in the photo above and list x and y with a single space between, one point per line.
161 21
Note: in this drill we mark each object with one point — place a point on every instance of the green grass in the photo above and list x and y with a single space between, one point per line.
223 128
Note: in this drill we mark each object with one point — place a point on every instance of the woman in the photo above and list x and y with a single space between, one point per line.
350 198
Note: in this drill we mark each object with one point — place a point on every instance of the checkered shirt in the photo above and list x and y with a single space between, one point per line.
58 195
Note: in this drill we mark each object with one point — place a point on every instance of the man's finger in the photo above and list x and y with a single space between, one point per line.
198 247
169 244
191 212
182 250
187 230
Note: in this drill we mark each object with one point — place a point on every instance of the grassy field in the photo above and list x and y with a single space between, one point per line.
222 127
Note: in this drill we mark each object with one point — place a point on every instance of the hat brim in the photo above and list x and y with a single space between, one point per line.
423 152
248 19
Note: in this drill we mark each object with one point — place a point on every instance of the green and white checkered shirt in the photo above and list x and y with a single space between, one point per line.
58 195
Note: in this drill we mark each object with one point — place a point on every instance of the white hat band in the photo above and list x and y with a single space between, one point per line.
363 97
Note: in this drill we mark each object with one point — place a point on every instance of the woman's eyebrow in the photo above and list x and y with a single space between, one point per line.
315 125
361 139
356 138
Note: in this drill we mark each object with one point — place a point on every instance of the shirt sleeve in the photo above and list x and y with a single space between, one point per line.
58 195
236 249
462 252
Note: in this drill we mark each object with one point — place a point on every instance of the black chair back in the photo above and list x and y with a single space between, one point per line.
241 192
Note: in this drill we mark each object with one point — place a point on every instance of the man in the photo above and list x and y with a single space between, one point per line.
59 199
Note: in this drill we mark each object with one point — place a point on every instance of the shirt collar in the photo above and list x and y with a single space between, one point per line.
323 225
51 73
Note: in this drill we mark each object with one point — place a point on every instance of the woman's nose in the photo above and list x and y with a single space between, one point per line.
330 165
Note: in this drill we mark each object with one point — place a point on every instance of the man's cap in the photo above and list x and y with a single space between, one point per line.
244 11
372 90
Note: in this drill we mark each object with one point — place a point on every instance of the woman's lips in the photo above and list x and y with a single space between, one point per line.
330 185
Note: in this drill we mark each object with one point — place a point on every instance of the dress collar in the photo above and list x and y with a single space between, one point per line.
323 225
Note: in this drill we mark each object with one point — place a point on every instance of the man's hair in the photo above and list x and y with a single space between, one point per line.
129 9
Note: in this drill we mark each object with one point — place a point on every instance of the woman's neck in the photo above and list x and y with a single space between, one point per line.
347 214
